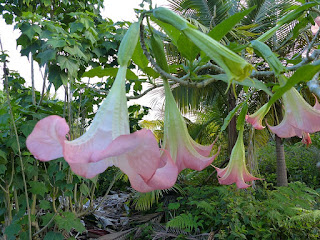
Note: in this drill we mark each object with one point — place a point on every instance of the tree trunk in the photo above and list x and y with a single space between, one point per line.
282 179
232 128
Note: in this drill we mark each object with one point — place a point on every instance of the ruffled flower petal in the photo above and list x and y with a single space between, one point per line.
256 118
47 138
299 119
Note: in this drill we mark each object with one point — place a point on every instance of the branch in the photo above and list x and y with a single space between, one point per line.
145 92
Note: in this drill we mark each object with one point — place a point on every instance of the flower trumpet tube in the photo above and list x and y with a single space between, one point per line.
236 170
299 119
185 152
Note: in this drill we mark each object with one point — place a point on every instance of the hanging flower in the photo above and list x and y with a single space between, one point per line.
185 152
256 118
315 28
299 119
236 170
106 143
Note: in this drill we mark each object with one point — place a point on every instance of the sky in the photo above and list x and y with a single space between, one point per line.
117 10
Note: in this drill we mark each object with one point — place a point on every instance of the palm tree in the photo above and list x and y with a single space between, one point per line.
207 14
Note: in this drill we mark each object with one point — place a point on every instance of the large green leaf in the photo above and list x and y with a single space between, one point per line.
231 114
53 236
139 58
71 65
46 56
269 56
103 72
38 188
219 31
68 221
247 82
303 74
185 46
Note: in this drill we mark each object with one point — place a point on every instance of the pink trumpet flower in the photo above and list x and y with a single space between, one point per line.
107 142
236 170
315 28
299 119
185 152
256 118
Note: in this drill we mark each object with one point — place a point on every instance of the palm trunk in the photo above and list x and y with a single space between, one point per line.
282 179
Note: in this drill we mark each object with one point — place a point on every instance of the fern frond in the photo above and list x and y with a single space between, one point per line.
306 216
184 221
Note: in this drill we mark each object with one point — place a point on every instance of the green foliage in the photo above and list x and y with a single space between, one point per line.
301 163
185 221
285 213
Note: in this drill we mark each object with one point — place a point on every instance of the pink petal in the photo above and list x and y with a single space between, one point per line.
90 170
235 176
299 116
164 177
317 20
285 129
193 160
142 153
203 150
47 138
256 122
314 29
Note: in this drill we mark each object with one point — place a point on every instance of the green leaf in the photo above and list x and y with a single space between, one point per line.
38 188
53 236
88 35
230 116
4 119
30 30
99 72
12 230
27 127
242 117
296 13
55 76
187 48
219 31
84 189
46 56
172 32
45 205
71 65
47 3
303 74
3 157
151 72
68 221
269 56
3 169
139 58
75 51
247 82
56 43
76 26
8 18
173 206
